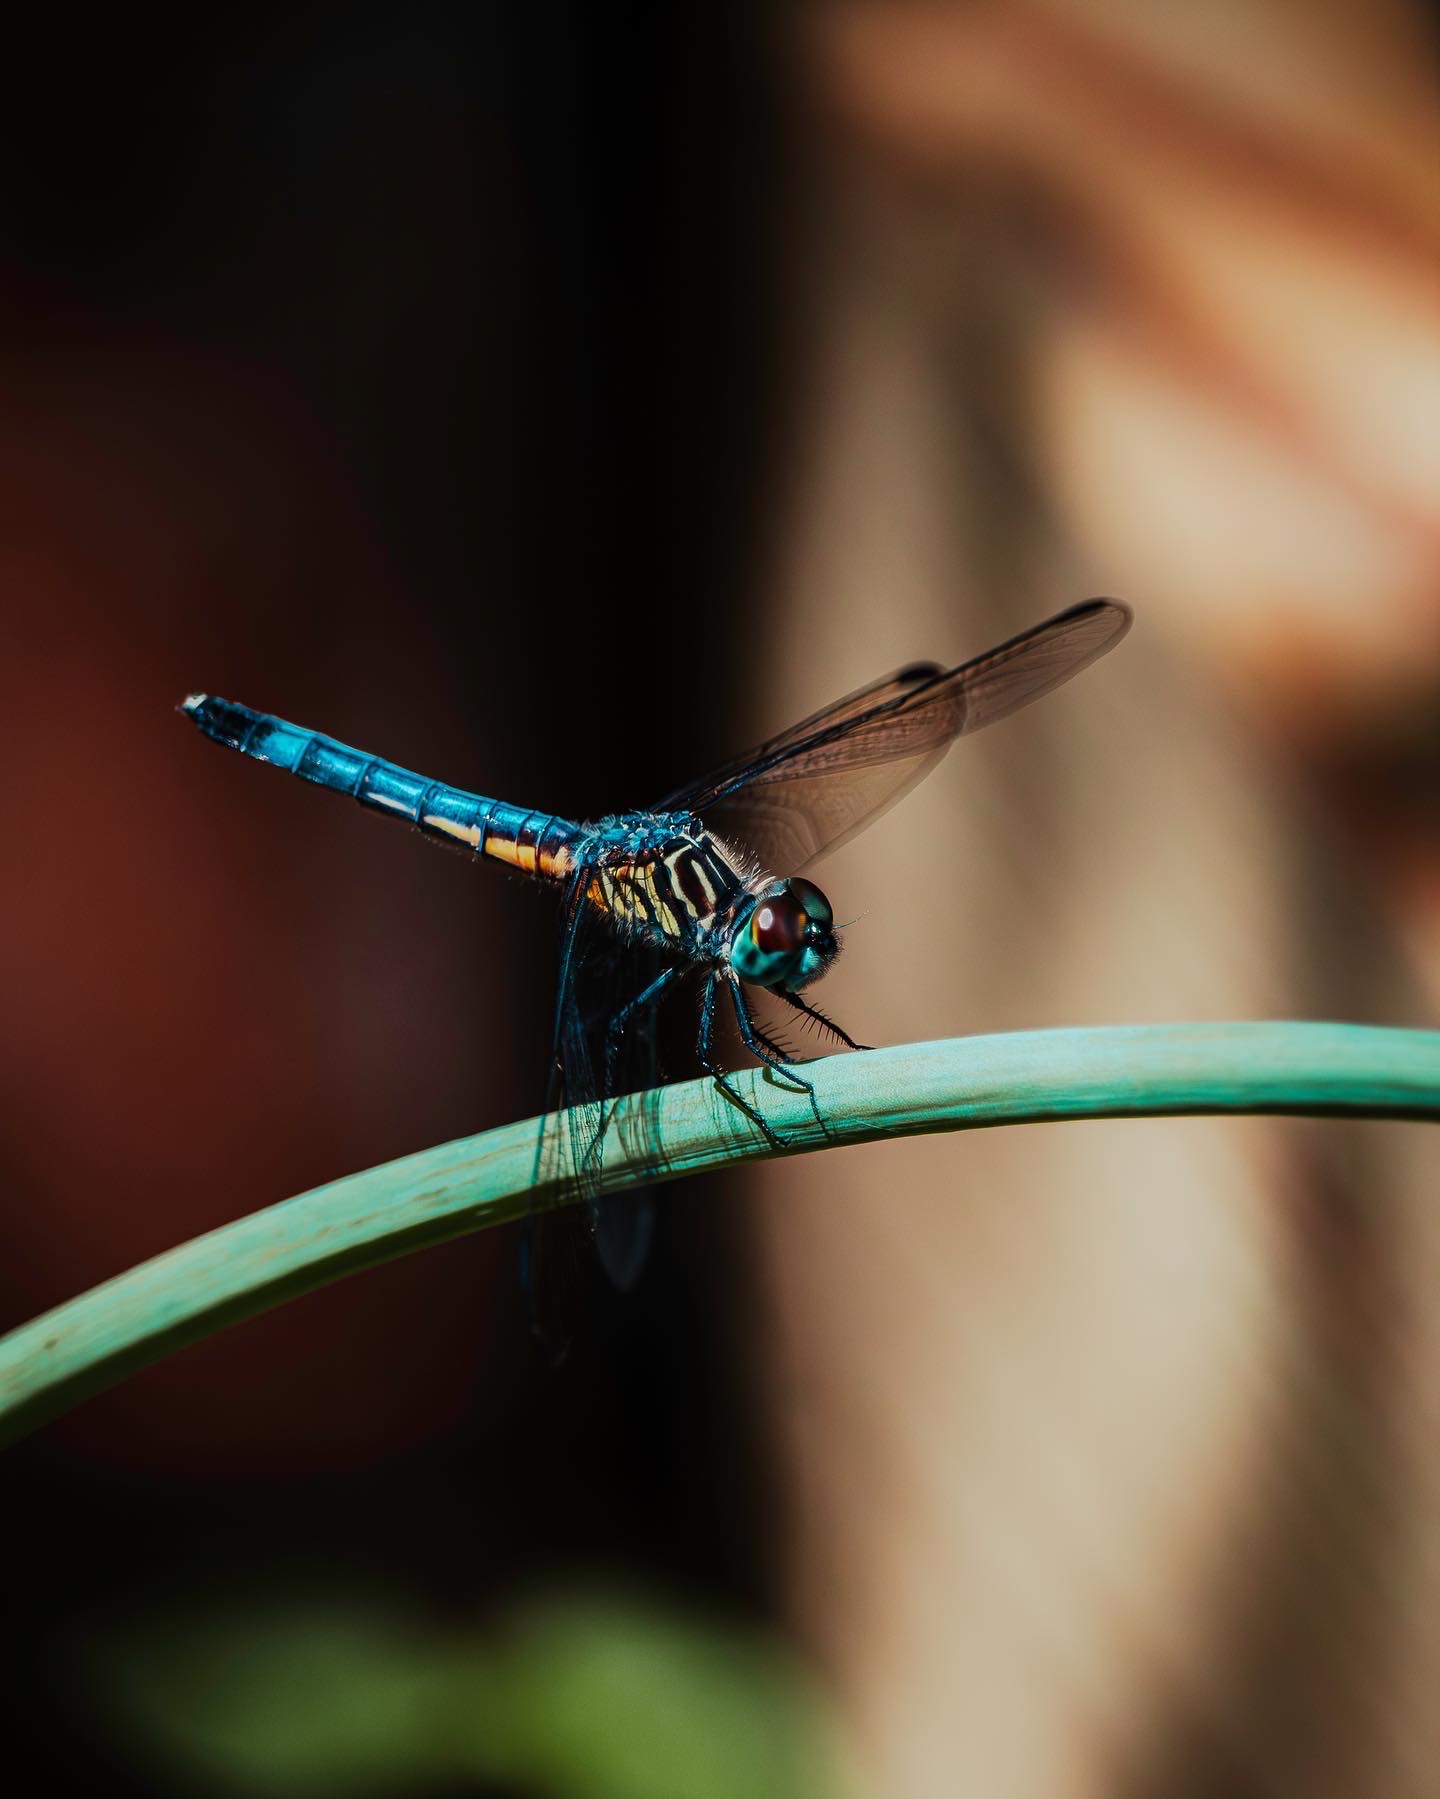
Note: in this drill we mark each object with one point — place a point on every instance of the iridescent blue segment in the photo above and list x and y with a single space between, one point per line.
536 842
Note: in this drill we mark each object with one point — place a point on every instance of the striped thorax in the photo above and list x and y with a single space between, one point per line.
663 876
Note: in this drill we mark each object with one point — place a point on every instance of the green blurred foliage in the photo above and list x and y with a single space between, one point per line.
593 1698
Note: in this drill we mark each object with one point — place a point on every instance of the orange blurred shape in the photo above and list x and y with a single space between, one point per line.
1236 372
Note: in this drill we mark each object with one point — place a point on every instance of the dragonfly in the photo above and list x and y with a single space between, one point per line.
690 892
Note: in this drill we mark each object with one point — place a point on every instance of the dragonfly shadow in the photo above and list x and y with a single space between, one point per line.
794 1082
636 1125
780 1134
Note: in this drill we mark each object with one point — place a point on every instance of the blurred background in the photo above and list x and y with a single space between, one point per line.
555 399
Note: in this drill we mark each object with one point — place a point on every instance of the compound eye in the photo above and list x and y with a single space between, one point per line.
816 906
778 925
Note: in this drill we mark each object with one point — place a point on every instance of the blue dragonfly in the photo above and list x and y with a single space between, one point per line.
688 892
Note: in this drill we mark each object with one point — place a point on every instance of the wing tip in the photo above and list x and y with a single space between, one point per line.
1120 613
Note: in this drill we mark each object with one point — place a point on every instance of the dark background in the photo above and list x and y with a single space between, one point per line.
551 399
403 371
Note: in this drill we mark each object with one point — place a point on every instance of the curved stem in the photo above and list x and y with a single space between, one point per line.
302 1243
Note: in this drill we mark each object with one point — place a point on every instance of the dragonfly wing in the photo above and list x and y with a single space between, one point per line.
597 975
621 1224
553 1254
790 823
698 795
805 792
624 1223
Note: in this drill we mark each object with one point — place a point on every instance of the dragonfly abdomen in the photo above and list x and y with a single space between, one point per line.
534 842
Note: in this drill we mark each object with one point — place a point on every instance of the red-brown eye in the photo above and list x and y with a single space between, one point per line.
778 925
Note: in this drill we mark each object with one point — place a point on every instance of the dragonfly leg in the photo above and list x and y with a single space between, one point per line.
826 1024
760 1046
713 1068
615 1030
768 1046
775 1048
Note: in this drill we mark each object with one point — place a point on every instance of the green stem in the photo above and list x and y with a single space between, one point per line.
287 1249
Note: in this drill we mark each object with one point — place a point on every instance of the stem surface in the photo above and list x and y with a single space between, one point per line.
246 1267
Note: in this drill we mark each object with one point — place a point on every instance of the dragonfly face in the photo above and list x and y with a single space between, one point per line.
786 938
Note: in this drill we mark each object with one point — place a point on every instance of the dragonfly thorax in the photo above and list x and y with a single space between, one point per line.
785 938
662 876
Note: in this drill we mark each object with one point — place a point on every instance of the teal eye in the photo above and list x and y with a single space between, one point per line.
785 941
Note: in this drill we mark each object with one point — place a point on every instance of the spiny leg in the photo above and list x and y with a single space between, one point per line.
826 1024
773 1044
760 1045
757 1044
716 1073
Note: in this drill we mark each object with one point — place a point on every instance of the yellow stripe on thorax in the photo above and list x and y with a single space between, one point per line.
629 893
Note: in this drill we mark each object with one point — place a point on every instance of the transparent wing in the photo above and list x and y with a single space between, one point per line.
555 1248
805 792
597 976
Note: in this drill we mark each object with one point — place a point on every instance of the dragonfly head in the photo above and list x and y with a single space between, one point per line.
787 937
